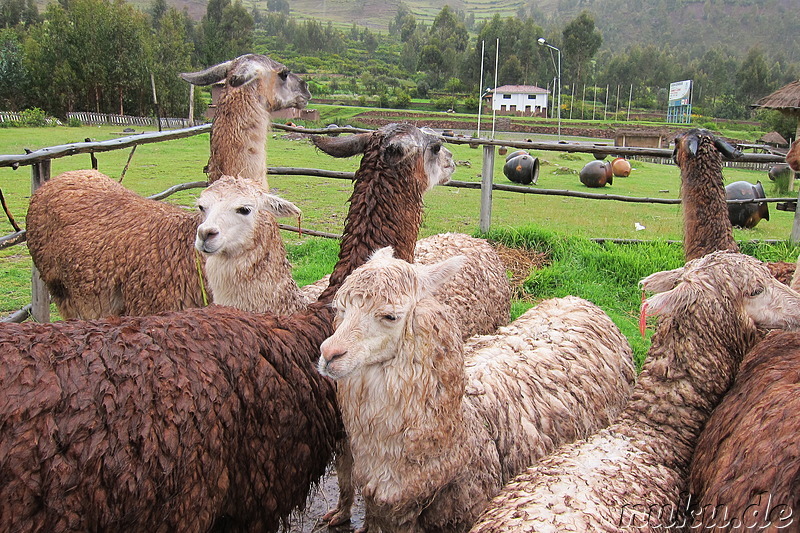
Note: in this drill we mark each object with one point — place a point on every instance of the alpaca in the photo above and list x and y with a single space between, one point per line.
632 475
435 427
255 85
793 156
478 295
183 421
103 250
745 473
237 236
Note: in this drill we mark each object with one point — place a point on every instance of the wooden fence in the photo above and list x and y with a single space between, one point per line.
39 161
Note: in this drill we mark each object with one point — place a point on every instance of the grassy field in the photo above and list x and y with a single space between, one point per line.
606 274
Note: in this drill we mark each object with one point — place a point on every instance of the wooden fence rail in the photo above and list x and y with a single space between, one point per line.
39 160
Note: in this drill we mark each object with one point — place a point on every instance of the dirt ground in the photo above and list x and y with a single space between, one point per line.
320 501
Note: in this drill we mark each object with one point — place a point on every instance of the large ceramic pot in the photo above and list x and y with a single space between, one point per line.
596 174
523 168
746 215
621 167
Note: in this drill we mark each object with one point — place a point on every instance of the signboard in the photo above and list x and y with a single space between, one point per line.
679 109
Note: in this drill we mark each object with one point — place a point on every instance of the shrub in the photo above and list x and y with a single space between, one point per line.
74 122
34 117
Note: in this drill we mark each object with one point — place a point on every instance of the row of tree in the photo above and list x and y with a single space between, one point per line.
102 55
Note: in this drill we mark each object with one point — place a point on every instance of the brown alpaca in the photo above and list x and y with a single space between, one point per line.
435 427
793 156
198 420
633 475
255 85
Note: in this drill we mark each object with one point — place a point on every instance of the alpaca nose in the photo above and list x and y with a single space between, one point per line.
331 353
205 233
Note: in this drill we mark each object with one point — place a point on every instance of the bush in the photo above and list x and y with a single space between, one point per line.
74 122
34 117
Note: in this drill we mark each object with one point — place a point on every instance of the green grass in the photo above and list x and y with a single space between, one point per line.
606 274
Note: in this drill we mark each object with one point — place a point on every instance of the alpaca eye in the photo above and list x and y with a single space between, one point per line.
283 74
244 210
389 317
201 208
756 291
436 148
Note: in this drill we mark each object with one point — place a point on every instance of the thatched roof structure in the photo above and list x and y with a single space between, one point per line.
786 100
774 138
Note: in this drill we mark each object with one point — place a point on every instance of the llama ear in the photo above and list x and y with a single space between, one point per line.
397 146
436 275
245 72
280 207
672 301
661 281
208 76
342 146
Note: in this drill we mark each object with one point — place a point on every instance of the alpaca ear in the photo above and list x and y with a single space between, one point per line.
671 302
342 146
280 207
245 72
397 147
661 281
436 275
387 252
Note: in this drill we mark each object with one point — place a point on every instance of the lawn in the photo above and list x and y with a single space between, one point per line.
606 274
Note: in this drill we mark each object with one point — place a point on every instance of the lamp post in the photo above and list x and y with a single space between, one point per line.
543 42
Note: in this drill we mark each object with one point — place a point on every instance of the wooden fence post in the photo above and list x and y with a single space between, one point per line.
40 297
487 179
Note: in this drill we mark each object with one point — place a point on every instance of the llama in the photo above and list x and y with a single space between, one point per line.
255 85
190 420
633 474
480 294
103 250
706 226
435 427
793 156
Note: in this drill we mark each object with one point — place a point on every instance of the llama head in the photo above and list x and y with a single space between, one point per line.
730 279
232 210
699 142
398 145
375 309
274 86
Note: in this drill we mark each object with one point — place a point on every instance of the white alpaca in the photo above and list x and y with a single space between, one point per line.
436 428
246 263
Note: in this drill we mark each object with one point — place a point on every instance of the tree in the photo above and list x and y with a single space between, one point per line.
158 8
581 42
172 53
18 12
13 77
754 76
227 31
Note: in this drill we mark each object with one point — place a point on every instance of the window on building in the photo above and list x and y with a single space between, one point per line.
506 97
531 97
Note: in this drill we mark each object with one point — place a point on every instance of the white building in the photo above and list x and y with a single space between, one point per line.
521 100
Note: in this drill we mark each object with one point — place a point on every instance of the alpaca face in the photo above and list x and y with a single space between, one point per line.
375 312
233 209
736 279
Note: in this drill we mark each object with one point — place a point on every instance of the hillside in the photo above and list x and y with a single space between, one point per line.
690 25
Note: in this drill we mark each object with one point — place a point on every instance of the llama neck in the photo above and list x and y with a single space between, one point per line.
706 226
690 366
259 279
404 417
238 137
385 210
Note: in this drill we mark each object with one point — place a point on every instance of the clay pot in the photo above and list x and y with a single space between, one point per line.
621 167
746 215
781 170
524 169
502 150
515 153
596 174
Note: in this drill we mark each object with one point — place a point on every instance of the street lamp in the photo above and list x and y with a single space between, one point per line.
543 42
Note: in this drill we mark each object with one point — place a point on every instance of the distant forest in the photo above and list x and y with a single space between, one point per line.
99 55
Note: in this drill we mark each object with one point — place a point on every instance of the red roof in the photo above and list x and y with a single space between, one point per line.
521 89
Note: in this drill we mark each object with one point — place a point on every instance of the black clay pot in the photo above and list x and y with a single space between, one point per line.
596 174
746 215
524 169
